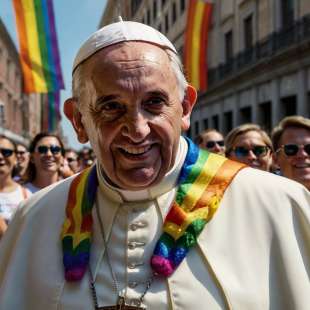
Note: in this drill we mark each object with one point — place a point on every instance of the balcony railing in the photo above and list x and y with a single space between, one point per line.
275 43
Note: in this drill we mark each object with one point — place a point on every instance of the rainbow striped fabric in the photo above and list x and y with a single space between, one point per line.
196 43
51 115
201 185
38 46
77 228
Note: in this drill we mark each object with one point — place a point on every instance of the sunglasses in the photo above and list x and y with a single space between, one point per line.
6 152
55 149
70 160
292 149
211 144
258 151
21 152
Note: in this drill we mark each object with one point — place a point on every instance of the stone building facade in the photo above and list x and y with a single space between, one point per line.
258 57
20 114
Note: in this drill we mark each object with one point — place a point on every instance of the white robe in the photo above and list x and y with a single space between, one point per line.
254 254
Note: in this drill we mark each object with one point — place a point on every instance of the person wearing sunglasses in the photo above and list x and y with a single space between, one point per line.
251 145
72 157
291 140
212 140
46 158
23 157
11 193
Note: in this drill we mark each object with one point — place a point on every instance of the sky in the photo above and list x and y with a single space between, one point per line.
76 20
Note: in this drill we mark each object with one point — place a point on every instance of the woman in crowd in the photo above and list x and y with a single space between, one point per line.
212 140
251 145
46 158
11 193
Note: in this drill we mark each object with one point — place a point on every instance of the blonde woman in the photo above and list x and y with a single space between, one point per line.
250 145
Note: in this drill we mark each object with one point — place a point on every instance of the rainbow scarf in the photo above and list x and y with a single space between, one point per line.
201 185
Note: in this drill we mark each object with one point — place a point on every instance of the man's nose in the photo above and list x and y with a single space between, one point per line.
136 127
251 155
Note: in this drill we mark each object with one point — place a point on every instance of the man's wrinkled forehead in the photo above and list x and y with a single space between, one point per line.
127 55
121 32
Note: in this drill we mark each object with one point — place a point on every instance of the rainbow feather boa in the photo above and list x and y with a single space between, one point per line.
201 185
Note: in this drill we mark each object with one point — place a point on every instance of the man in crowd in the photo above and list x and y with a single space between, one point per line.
291 141
72 158
23 157
157 223
212 140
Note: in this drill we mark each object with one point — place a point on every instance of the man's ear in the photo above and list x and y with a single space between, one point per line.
188 104
75 117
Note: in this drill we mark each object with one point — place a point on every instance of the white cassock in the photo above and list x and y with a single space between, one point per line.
254 254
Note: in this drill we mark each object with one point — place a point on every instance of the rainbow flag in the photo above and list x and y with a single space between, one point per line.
196 43
39 52
50 111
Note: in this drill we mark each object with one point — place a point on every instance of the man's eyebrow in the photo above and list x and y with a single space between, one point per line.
103 99
158 93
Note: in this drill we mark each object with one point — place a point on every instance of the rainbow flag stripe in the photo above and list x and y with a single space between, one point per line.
201 185
203 181
196 43
39 52
77 228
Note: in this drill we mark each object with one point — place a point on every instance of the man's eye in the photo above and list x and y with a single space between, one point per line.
155 102
112 106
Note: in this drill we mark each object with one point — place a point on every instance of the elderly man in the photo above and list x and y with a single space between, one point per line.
156 223
291 141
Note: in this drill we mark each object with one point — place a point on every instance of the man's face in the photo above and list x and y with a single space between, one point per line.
296 167
134 116
23 156
72 160
214 142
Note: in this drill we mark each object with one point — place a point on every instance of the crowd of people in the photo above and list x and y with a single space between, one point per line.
24 171
286 152
155 222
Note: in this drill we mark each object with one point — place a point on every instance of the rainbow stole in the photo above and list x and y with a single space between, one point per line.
77 228
202 182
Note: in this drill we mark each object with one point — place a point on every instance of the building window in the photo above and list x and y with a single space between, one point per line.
163 2
246 115
228 122
148 17
196 128
205 123
182 6
135 4
166 23
289 106
264 113
159 27
229 53
215 122
287 13
154 9
174 12
248 32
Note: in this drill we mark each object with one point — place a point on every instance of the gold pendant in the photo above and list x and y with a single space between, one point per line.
121 305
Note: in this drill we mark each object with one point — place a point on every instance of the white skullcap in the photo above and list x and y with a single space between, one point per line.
120 32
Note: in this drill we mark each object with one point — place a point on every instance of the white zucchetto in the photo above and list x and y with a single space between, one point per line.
120 32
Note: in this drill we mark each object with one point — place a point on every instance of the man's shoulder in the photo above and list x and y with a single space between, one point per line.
54 196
